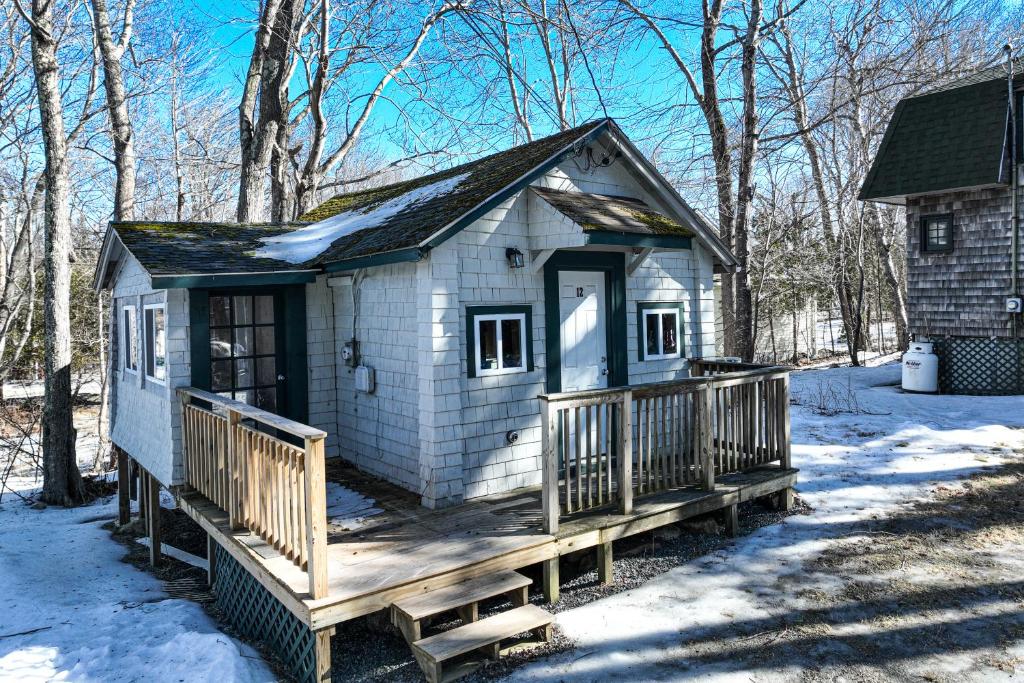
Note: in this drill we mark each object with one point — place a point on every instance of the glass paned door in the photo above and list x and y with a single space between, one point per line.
245 349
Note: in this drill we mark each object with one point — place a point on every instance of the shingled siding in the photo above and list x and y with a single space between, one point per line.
379 432
493 406
146 425
320 363
962 292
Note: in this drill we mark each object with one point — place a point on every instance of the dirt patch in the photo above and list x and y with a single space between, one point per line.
935 592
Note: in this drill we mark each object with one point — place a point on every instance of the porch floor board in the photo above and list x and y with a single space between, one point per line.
407 549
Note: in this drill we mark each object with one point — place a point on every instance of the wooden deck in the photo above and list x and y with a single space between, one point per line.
408 549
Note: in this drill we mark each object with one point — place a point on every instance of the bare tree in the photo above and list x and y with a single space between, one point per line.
121 133
62 482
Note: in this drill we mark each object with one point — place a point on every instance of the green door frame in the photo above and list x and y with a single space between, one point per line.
613 265
290 321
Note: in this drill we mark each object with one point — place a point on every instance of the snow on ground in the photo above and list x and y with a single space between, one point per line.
70 609
853 468
307 242
347 508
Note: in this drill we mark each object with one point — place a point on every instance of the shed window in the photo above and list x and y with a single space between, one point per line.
129 340
499 340
937 233
660 328
155 329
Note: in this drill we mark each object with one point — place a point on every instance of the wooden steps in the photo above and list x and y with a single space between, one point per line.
433 652
407 614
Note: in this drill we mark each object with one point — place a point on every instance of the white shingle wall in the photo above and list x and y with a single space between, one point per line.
683 277
492 406
146 420
441 420
320 363
379 432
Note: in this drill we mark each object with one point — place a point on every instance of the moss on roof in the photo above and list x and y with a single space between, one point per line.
187 248
606 213
198 247
484 178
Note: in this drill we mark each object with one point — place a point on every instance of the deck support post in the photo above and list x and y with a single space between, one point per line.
211 560
151 490
323 653
786 456
604 563
124 505
549 467
314 482
707 444
550 580
626 453
139 481
234 481
732 521
785 499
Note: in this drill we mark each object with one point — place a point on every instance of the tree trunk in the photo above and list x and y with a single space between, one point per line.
62 482
121 133
745 189
268 67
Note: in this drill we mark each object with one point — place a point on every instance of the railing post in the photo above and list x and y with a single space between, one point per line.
626 453
707 446
231 438
316 516
549 466
785 460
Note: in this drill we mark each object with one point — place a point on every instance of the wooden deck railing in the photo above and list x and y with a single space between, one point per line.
234 456
610 445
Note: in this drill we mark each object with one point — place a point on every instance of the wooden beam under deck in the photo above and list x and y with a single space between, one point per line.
371 568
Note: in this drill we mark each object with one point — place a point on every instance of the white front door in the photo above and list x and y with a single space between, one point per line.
581 307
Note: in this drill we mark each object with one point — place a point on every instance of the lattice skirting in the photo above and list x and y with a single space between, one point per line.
259 616
980 366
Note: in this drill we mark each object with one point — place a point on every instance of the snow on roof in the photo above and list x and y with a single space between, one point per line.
309 241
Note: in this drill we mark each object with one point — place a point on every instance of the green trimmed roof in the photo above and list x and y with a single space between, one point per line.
950 138
606 213
398 222
207 248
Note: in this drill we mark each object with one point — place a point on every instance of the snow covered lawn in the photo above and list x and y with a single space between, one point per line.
70 609
821 596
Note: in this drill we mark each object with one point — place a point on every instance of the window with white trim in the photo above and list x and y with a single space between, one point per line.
129 340
660 336
154 319
500 344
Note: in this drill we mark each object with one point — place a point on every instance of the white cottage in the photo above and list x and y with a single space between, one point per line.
416 323
515 340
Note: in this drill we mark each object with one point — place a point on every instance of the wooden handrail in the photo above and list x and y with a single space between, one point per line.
666 434
274 488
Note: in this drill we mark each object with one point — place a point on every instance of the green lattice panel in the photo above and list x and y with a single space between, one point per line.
257 615
980 366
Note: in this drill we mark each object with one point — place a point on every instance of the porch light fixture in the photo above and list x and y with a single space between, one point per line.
515 258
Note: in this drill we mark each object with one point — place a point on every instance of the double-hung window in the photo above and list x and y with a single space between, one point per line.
660 325
129 340
155 328
499 340
937 233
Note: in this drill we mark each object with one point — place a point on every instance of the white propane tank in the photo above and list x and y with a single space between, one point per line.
920 368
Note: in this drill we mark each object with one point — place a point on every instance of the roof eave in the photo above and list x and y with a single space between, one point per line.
684 212
111 240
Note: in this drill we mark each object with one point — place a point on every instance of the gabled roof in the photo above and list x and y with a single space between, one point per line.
605 213
398 222
951 138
